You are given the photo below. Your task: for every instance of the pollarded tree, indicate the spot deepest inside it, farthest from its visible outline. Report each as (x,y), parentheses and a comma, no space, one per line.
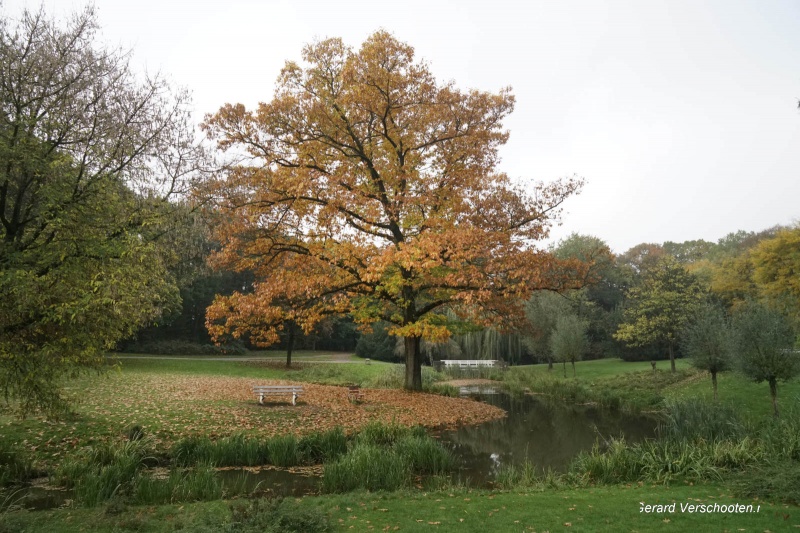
(765,341)
(88,156)
(660,306)
(708,341)
(370,188)
(569,340)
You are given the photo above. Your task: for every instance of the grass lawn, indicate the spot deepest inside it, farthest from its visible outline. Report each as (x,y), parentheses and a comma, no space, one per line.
(635,382)
(598,368)
(602,509)
(176,397)
(173,398)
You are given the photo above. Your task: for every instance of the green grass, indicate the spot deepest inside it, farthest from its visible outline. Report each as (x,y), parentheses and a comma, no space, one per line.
(598,509)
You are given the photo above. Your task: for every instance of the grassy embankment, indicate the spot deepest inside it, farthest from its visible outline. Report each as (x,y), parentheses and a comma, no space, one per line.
(617,384)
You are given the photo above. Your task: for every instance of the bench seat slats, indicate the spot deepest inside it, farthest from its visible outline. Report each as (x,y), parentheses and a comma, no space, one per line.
(270,390)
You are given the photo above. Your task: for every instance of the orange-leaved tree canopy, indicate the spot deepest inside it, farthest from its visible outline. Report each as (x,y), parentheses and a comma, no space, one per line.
(368,187)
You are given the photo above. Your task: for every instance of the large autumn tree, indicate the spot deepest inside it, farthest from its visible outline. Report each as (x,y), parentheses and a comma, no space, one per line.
(368,187)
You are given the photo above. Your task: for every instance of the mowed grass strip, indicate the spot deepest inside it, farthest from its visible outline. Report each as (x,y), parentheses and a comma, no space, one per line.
(602,510)
(605,509)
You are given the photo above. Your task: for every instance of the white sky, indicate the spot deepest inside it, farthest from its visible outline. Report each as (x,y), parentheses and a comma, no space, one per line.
(680,114)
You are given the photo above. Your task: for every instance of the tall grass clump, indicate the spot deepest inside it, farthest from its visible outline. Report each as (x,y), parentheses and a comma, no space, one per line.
(200,483)
(367,467)
(424,455)
(695,419)
(386,457)
(99,484)
(616,464)
(322,446)
(781,436)
(664,461)
(192,450)
(283,451)
(238,450)
(15,467)
(99,473)
(527,476)
(381,434)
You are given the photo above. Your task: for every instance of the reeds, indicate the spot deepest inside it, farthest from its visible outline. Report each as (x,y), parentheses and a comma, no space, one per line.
(240,450)
(386,457)
(15,466)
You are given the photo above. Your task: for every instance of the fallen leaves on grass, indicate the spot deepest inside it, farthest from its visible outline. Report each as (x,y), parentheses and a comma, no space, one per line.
(173,406)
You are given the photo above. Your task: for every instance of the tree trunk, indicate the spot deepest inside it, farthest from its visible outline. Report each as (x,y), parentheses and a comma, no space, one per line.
(413,363)
(549,363)
(290,346)
(565,368)
(573,369)
(714,383)
(671,357)
(773,391)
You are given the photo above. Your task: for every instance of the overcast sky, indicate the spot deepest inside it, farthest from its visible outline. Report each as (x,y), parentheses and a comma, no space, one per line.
(681,115)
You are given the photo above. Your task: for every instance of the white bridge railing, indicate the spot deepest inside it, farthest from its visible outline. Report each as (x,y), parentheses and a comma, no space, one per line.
(469,363)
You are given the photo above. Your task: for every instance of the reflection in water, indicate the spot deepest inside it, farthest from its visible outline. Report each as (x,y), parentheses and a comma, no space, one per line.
(548,434)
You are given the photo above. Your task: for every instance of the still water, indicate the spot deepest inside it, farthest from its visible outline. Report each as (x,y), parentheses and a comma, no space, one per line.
(546,433)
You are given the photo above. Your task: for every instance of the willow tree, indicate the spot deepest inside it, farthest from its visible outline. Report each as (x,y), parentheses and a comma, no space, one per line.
(368,187)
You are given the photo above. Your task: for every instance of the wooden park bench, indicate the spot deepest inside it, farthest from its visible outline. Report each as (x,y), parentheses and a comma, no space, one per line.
(272,390)
(354,393)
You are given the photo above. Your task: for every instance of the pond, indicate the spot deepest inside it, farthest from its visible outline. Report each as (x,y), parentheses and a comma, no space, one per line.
(545,433)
